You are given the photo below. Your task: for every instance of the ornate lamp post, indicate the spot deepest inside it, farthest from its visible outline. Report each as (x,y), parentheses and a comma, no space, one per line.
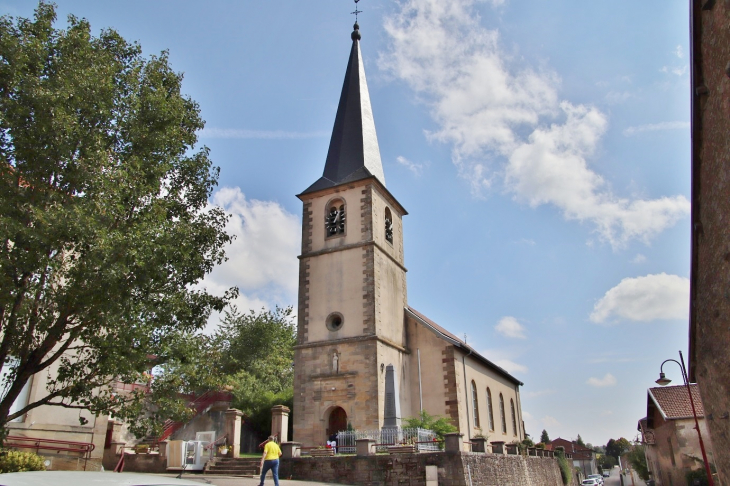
(663,381)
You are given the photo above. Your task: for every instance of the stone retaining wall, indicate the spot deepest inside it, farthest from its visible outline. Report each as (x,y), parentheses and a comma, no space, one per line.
(454,469)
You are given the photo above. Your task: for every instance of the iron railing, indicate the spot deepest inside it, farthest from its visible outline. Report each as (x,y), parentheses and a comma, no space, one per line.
(424,440)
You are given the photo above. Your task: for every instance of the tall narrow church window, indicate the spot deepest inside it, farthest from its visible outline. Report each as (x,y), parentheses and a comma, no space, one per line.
(490,409)
(514,419)
(474,403)
(388,225)
(334,220)
(501,413)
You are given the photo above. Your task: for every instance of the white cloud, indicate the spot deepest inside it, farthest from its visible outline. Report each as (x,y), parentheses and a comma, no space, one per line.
(606,413)
(549,421)
(639,258)
(654,127)
(412,166)
(679,52)
(648,298)
(509,327)
(505,359)
(260,134)
(676,70)
(262,259)
(506,124)
(607,380)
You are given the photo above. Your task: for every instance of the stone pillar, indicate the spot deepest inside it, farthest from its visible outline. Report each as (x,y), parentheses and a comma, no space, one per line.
(290,450)
(391,414)
(479,444)
(162,448)
(454,442)
(365,447)
(280,422)
(498,447)
(233,430)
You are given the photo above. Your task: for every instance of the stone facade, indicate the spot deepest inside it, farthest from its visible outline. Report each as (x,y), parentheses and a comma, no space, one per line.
(710,275)
(461,469)
(354,319)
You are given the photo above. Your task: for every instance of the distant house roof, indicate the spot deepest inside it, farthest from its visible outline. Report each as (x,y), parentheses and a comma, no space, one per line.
(673,402)
(451,338)
(571,447)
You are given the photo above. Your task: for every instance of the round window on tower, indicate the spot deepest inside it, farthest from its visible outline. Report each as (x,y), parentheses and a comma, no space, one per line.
(334,321)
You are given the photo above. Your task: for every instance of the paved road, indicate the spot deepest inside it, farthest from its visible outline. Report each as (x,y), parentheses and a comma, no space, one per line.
(615,480)
(242,481)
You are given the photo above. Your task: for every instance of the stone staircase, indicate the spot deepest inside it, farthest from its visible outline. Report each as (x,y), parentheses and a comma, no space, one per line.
(229,466)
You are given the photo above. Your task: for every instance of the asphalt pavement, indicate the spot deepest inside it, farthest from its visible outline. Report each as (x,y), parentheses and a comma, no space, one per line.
(215,480)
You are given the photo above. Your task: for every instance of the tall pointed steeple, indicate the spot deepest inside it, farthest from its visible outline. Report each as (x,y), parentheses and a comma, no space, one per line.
(353,153)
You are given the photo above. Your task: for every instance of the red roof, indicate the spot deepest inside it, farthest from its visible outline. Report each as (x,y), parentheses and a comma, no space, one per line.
(673,401)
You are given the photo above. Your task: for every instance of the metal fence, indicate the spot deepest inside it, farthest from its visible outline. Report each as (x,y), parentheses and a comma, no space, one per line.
(425,440)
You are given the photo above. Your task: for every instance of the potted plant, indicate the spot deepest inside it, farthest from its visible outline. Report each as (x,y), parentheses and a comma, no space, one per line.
(141,448)
(479,441)
(223,450)
(322,451)
(406,446)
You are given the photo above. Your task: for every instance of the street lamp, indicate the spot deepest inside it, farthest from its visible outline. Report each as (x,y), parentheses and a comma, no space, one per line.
(663,381)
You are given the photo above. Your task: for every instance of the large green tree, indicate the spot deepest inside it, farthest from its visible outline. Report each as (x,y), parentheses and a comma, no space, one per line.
(255,357)
(616,447)
(105,231)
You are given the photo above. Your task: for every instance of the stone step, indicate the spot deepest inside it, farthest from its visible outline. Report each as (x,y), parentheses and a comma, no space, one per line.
(232,472)
(233,466)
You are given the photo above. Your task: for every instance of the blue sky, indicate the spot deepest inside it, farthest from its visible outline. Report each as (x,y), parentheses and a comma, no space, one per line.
(541,148)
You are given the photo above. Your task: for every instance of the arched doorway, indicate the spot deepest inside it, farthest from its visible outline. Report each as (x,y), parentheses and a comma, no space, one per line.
(337,421)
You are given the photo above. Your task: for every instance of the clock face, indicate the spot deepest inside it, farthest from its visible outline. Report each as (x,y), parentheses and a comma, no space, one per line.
(334,222)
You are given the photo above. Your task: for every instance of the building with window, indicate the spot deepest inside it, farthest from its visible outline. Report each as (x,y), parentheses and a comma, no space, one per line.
(669,435)
(354,319)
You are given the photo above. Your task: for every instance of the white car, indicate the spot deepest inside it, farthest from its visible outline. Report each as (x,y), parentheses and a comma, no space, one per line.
(590,482)
(597,477)
(79,478)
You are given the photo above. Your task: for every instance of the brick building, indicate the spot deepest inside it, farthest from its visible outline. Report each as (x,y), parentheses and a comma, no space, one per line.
(672,443)
(354,321)
(709,336)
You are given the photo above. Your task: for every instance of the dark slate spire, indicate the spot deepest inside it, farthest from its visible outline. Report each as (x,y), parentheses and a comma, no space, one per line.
(353,152)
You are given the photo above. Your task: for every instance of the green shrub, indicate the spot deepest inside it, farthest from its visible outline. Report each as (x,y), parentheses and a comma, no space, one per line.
(566,471)
(17,461)
(697,477)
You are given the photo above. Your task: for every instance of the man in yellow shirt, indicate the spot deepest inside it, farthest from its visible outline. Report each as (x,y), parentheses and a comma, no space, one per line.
(270,460)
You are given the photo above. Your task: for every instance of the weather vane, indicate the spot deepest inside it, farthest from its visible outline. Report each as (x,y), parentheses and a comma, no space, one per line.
(356,11)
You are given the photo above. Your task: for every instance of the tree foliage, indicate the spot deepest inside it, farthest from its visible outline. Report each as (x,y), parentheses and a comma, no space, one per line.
(104,224)
(255,357)
(606,461)
(616,448)
(579,441)
(637,459)
(544,437)
(440,425)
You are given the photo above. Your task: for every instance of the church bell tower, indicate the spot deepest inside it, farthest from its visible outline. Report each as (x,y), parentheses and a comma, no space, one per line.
(352,279)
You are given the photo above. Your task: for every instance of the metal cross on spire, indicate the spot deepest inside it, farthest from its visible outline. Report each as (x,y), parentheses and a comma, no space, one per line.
(356,11)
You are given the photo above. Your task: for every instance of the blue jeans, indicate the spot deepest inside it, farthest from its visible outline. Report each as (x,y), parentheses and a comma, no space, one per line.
(272,464)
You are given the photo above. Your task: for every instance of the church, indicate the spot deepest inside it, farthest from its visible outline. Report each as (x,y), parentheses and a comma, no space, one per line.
(355,326)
